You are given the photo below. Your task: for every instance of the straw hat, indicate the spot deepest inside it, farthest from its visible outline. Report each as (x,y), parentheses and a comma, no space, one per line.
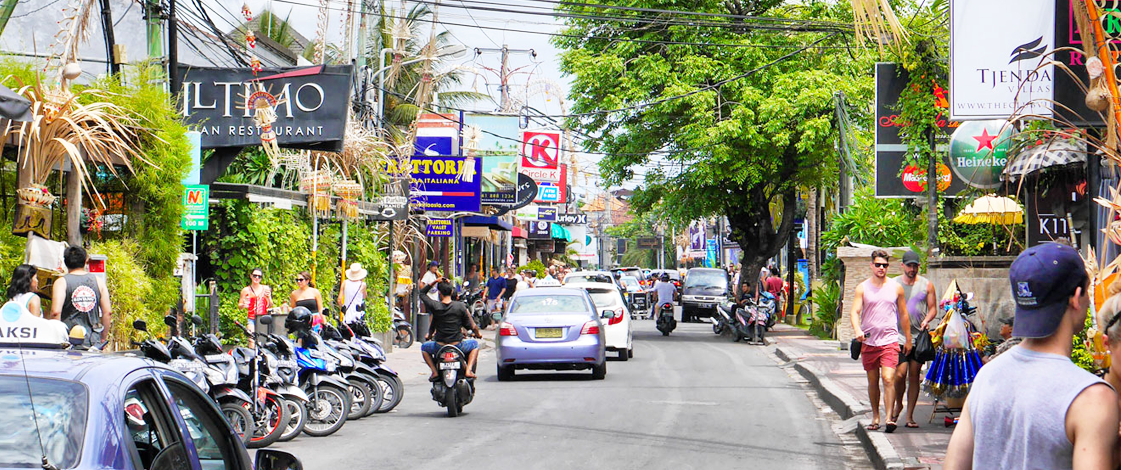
(356,273)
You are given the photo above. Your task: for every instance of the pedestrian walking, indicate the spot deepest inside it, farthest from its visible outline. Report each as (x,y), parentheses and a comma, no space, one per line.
(776,287)
(430,277)
(496,286)
(352,299)
(511,285)
(80,298)
(471,280)
(22,289)
(255,299)
(307,296)
(877,312)
(922,305)
(1032,407)
(1110,316)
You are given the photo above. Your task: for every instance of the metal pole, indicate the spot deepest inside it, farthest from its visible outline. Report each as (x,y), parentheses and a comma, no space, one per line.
(6,10)
(172,49)
(932,195)
(110,41)
(381,85)
(392,275)
(502,79)
(154,32)
(342,272)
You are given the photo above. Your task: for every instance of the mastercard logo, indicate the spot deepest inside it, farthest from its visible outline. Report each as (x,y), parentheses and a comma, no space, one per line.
(914,178)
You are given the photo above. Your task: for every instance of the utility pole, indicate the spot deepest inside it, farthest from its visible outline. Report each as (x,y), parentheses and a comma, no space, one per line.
(932,195)
(6,9)
(504,73)
(110,41)
(363,59)
(172,49)
(154,31)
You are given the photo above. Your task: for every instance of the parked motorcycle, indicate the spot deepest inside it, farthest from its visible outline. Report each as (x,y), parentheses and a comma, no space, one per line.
(750,323)
(665,322)
(724,320)
(368,351)
(477,305)
(769,306)
(404,330)
(252,370)
(451,388)
(284,379)
(328,395)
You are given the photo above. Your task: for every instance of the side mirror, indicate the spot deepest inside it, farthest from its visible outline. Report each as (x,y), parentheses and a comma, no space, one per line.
(140,325)
(197,320)
(169,320)
(265,320)
(606,314)
(269,459)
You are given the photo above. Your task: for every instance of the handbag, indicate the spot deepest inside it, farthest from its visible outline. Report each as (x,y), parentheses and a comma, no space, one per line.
(924,347)
(854,349)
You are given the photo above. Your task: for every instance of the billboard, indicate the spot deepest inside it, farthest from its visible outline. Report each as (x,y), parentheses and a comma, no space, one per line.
(438,184)
(1000,58)
(437,134)
(311,110)
(499,154)
(1069,98)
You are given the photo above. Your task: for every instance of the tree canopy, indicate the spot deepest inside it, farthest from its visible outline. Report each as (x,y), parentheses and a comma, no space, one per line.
(724,114)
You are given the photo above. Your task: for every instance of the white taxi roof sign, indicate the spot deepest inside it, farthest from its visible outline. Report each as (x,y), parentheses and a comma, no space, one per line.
(17,326)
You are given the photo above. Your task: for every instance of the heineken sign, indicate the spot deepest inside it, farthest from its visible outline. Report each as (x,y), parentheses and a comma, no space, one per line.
(979,152)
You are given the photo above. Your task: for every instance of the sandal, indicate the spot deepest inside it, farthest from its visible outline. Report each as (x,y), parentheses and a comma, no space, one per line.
(872,427)
(912,424)
(890,427)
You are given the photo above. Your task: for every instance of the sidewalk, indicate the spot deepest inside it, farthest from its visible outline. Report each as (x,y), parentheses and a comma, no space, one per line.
(410,366)
(843,385)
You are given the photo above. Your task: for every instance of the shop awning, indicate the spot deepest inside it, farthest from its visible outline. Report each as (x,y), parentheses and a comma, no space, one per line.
(561,233)
(519,232)
(483,221)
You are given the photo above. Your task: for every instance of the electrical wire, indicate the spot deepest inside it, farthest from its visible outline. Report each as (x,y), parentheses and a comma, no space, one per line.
(123,15)
(37,10)
(492,41)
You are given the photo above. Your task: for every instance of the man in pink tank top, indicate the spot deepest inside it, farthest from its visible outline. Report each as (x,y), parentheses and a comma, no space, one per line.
(879,309)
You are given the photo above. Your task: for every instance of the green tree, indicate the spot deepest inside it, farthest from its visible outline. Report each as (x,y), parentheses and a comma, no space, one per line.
(732,130)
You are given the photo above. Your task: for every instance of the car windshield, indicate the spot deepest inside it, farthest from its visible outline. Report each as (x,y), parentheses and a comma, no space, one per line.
(60,409)
(605,299)
(587,277)
(629,281)
(542,304)
(706,279)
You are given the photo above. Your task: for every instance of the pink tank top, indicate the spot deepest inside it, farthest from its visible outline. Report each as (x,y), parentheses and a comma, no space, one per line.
(879,317)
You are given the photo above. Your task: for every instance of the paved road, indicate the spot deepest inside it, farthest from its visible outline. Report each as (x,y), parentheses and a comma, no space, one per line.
(690,400)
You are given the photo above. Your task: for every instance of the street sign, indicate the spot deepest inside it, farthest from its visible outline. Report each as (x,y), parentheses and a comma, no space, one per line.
(196,208)
(387,208)
(572,219)
(648,242)
(439,228)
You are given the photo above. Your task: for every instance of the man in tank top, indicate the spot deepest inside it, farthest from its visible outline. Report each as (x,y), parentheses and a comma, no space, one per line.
(1031,407)
(922,305)
(80,298)
(878,311)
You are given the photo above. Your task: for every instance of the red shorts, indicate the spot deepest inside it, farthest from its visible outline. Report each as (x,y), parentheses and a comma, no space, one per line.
(875,357)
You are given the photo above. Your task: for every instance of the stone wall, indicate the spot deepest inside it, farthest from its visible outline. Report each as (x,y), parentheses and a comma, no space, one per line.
(986,277)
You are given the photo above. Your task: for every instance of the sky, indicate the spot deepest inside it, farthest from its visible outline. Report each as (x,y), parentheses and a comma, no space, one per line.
(34,23)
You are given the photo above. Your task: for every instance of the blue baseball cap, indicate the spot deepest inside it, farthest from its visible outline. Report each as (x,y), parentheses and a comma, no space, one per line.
(1043,278)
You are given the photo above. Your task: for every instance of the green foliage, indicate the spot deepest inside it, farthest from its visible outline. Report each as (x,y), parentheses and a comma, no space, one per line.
(872,221)
(535,265)
(133,293)
(826,301)
(1079,354)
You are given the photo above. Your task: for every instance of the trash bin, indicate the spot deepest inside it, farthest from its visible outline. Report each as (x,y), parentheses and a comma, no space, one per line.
(420,329)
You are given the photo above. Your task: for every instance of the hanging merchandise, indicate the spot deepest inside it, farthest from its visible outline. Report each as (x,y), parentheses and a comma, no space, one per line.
(956,360)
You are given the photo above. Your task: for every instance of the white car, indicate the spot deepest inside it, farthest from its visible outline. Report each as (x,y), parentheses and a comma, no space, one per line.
(617,329)
(597,277)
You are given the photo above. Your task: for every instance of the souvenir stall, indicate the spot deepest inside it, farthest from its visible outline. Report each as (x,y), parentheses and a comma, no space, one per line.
(956,343)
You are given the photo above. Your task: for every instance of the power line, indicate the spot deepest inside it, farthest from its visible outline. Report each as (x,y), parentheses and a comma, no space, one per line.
(477,24)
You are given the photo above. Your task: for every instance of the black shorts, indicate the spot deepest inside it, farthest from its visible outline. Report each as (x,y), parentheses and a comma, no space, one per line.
(909,357)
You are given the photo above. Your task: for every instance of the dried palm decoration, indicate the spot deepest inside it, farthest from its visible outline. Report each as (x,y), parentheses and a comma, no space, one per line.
(876,20)
(321,33)
(401,31)
(347,191)
(316,184)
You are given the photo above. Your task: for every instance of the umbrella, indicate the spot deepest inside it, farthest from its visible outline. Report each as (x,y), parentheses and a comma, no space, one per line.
(992,210)
(1055,152)
(14,106)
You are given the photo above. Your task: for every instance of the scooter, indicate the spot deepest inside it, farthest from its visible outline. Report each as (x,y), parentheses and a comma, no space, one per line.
(404,330)
(251,370)
(368,351)
(328,395)
(478,308)
(284,379)
(750,323)
(768,306)
(723,320)
(451,388)
(665,322)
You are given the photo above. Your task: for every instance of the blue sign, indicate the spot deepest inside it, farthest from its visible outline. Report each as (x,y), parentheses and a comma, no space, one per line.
(434,145)
(547,213)
(548,192)
(439,228)
(441,184)
(710,252)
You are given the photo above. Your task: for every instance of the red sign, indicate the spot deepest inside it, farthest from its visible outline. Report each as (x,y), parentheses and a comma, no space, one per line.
(540,149)
(914,178)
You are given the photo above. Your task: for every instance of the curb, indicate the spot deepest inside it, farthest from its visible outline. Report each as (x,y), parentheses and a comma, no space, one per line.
(881,453)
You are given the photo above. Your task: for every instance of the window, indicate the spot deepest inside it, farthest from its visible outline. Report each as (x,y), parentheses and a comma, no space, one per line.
(154,441)
(707,279)
(211,436)
(60,409)
(605,299)
(544,304)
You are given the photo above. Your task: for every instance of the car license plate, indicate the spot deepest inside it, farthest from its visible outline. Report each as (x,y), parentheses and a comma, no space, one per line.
(547,332)
(705,305)
(449,365)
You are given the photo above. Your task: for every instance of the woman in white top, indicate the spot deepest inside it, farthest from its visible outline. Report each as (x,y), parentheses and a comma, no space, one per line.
(353,294)
(23,286)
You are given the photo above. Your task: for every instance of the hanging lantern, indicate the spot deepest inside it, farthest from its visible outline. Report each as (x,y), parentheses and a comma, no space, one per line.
(316,184)
(348,191)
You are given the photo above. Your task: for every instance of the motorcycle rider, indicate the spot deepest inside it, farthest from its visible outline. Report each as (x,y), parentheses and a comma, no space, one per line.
(666,292)
(449,317)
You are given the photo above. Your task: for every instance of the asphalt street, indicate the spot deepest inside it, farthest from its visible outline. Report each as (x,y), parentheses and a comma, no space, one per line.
(690,400)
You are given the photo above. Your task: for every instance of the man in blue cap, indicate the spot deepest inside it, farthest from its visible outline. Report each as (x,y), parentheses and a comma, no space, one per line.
(1031,407)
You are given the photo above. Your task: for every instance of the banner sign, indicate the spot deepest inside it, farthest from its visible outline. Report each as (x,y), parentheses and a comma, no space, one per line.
(438,228)
(710,253)
(547,213)
(553,191)
(696,238)
(500,155)
(439,184)
(500,179)
(311,110)
(1068,47)
(437,134)
(892,179)
(196,207)
(572,219)
(996,51)
(540,230)
(387,208)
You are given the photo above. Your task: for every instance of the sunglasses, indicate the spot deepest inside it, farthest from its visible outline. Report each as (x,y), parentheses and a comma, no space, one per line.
(300,279)
(880,265)
(255,276)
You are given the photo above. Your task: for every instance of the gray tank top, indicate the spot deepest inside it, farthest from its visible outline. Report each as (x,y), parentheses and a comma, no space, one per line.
(82,304)
(915,296)
(1018,406)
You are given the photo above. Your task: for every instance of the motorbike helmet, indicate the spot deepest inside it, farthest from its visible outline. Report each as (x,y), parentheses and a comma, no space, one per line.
(299,319)
(665,277)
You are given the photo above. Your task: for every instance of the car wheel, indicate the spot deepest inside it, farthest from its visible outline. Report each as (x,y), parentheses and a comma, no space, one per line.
(624,354)
(505,373)
(599,372)
(630,353)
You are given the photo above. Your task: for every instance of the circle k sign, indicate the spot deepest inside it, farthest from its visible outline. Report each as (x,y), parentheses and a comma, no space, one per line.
(540,149)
